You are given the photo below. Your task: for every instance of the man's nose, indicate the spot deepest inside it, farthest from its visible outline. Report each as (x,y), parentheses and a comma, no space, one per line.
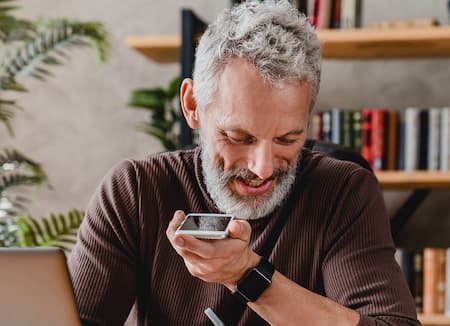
(262,161)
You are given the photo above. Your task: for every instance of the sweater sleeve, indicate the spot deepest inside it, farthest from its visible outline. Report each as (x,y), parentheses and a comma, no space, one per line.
(103,262)
(359,268)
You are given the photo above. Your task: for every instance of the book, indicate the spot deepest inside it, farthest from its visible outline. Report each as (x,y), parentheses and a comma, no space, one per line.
(335,21)
(358,13)
(347,129)
(423,139)
(357,139)
(434,130)
(378,138)
(418,280)
(391,140)
(323,14)
(302,6)
(315,13)
(447,284)
(317,126)
(445,140)
(366,135)
(442,262)
(351,11)
(434,280)
(310,8)
(326,126)
(411,156)
(401,141)
(336,125)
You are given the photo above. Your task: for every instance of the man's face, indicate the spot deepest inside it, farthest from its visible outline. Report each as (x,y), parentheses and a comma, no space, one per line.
(251,136)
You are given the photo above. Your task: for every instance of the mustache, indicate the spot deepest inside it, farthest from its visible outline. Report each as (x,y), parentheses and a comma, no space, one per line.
(247,175)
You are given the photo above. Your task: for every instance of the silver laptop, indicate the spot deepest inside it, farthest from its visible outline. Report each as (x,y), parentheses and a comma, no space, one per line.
(35,288)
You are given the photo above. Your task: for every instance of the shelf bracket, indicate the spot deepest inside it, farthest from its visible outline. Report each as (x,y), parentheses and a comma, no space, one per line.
(192,27)
(405,212)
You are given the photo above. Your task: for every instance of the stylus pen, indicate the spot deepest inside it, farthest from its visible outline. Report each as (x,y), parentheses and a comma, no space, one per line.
(213,317)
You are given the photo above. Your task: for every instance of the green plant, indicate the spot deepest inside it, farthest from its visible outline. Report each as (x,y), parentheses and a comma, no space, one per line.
(30,48)
(165,115)
(56,230)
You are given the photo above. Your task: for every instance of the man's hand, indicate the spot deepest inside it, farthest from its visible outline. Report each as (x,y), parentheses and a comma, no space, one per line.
(222,261)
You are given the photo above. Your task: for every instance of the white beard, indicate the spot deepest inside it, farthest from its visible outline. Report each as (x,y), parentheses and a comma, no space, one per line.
(243,207)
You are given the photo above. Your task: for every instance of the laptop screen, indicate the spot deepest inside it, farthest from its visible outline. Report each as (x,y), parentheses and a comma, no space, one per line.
(35,288)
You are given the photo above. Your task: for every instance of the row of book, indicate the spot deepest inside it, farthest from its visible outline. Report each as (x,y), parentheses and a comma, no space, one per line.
(427,273)
(410,139)
(332,13)
(329,13)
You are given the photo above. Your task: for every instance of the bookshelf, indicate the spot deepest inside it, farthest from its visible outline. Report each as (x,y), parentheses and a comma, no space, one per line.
(159,48)
(336,44)
(395,43)
(413,180)
(434,320)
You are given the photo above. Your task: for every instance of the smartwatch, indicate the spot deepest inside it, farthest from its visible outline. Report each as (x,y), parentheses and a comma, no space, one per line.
(255,282)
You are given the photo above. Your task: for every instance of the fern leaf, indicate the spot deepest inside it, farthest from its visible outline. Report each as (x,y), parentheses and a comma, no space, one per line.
(12,159)
(52,37)
(51,60)
(5,117)
(56,230)
(39,235)
(11,28)
(15,180)
(63,222)
(48,230)
(75,218)
(96,33)
(17,170)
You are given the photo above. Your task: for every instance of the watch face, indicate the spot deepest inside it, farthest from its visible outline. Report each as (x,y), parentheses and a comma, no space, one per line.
(253,285)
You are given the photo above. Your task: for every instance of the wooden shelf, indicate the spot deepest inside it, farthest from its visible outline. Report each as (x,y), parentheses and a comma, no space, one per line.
(395,43)
(161,48)
(338,44)
(434,320)
(413,180)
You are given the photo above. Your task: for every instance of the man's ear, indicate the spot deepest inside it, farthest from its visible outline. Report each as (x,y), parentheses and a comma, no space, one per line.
(188,103)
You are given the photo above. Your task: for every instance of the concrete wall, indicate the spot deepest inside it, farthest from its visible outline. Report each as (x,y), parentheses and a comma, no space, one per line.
(78,125)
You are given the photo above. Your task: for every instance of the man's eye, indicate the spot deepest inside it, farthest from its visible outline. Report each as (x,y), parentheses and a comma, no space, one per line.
(285,141)
(241,140)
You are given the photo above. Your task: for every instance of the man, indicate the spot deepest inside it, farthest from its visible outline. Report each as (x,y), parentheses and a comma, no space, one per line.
(320,223)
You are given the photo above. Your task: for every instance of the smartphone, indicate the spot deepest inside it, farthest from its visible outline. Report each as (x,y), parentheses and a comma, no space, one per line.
(205,225)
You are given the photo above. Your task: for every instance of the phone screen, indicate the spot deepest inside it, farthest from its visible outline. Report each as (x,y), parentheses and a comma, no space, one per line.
(198,222)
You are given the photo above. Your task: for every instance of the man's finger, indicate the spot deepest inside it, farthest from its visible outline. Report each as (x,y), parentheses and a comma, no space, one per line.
(240,229)
(178,217)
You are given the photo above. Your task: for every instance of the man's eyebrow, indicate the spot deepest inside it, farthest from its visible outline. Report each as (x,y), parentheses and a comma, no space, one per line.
(296,132)
(235,129)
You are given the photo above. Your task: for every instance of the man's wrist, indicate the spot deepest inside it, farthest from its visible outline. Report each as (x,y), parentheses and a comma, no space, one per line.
(255,282)
(252,262)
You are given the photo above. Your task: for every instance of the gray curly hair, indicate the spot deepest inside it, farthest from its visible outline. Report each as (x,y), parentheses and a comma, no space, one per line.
(273,36)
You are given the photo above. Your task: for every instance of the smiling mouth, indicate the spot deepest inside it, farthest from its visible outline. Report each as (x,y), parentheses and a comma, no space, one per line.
(253,187)
(253,183)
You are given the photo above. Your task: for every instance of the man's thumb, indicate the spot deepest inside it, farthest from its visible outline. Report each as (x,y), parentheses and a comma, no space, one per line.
(240,230)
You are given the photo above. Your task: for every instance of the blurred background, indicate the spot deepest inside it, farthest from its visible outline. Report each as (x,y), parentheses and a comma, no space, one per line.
(77,123)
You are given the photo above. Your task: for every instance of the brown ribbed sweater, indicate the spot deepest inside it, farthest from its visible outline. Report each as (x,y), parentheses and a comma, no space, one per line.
(336,242)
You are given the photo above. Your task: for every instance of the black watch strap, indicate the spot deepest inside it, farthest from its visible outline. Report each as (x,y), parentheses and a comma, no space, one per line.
(255,282)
